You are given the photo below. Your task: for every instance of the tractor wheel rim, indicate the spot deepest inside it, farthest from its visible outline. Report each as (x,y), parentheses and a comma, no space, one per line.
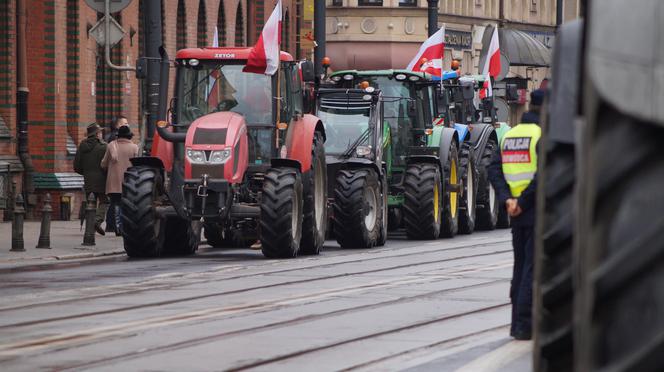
(436,203)
(453,195)
(470,191)
(319,200)
(372,209)
(492,199)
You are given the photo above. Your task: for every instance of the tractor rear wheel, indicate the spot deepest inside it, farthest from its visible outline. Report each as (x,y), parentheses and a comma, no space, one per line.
(423,201)
(487,203)
(468,199)
(181,237)
(450,225)
(280,230)
(314,221)
(358,208)
(142,229)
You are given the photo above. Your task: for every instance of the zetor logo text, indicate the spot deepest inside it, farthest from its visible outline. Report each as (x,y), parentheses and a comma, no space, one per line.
(516,150)
(224,55)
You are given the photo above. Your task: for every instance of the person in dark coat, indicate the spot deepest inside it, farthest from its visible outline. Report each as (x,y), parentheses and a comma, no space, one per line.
(88,163)
(117,122)
(513,175)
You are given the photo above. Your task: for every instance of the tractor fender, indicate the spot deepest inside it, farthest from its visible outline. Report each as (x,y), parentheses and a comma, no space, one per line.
(150,161)
(289,163)
(462,131)
(300,139)
(479,136)
(355,163)
(447,135)
(162,149)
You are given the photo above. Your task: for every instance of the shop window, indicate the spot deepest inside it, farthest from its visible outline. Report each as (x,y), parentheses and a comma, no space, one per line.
(370,3)
(407,2)
(337,2)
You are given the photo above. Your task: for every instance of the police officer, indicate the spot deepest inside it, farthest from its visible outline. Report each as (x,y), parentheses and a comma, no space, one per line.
(512,173)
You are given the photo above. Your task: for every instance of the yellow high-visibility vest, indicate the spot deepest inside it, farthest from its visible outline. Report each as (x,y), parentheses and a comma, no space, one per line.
(518,149)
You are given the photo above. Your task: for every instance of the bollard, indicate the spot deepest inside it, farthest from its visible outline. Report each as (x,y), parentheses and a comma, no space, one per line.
(89,235)
(45,231)
(17,225)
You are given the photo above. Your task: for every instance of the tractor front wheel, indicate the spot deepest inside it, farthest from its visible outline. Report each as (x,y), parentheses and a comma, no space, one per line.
(423,200)
(487,203)
(280,230)
(142,229)
(357,208)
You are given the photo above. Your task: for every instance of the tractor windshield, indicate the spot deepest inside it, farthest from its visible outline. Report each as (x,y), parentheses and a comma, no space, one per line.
(212,87)
(347,121)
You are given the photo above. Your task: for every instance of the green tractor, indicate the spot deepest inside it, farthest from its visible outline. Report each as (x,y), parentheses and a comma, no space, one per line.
(358,157)
(426,181)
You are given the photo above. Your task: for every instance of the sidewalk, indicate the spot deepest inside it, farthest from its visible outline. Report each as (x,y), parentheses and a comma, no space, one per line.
(66,239)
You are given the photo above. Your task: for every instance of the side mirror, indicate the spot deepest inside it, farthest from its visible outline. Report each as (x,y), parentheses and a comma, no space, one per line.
(443,103)
(308,74)
(468,91)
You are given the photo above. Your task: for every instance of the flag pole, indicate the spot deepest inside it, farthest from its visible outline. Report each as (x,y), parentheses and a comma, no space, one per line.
(278,101)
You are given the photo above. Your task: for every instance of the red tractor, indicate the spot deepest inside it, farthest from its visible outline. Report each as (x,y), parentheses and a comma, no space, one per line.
(239,156)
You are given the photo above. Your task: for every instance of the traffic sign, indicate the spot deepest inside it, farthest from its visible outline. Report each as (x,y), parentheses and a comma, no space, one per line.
(115,5)
(98,32)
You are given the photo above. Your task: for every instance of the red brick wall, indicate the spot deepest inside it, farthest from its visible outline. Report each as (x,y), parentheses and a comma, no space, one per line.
(7,73)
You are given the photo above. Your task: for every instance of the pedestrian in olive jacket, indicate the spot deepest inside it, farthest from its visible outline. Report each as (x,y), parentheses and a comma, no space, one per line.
(116,160)
(88,163)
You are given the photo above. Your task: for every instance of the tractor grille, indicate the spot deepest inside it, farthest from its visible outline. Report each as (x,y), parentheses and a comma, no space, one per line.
(210,136)
(213,171)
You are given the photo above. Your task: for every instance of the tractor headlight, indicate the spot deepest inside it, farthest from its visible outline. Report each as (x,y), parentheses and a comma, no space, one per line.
(336,78)
(220,156)
(348,77)
(400,77)
(363,151)
(413,78)
(196,156)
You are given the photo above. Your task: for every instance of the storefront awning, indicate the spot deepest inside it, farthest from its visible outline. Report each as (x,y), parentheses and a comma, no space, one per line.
(522,49)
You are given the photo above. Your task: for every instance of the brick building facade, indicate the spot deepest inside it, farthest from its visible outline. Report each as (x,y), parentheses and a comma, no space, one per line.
(71,86)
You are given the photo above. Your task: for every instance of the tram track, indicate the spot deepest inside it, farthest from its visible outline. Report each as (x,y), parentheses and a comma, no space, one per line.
(220,293)
(190,278)
(270,326)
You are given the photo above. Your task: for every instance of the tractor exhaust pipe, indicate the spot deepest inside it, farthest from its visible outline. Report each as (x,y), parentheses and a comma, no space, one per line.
(163,100)
(319,36)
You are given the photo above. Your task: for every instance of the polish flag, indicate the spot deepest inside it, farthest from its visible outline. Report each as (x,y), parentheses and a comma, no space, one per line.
(264,57)
(213,86)
(491,66)
(429,58)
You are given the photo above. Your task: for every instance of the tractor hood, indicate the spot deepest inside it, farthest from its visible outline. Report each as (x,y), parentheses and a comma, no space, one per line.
(215,131)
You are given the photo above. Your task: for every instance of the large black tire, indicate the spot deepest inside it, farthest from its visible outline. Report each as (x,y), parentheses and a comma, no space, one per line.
(142,229)
(357,208)
(314,223)
(181,237)
(450,223)
(618,310)
(467,210)
(423,201)
(553,293)
(280,230)
(382,236)
(487,203)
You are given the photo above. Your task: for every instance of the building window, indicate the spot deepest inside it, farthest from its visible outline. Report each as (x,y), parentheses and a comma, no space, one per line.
(181,27)
(239,26)
(407,2)
(201,26)
(370,2)
(337,2)
(533,6)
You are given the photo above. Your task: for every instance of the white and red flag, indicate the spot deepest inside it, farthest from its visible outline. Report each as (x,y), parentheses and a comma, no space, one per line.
(491,66)
(429,58)
(264,57)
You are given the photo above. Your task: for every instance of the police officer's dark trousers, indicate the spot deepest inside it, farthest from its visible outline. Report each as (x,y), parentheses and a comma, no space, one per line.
(521,290)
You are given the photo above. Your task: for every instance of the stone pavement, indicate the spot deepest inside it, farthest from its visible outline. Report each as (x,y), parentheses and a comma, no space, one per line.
(66,239)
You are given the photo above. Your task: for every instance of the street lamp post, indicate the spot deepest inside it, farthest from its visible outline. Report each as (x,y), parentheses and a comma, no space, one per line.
(433,16)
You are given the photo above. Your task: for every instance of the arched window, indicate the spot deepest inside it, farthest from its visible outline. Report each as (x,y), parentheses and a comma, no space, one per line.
(239,26)
(221,24)
(201,27)
(181,27)
(285,33)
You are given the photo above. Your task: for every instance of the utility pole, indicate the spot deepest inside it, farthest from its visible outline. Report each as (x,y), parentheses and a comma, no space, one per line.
(559,12)
(22,93)
(152,59)
(319,36)
(433,16)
